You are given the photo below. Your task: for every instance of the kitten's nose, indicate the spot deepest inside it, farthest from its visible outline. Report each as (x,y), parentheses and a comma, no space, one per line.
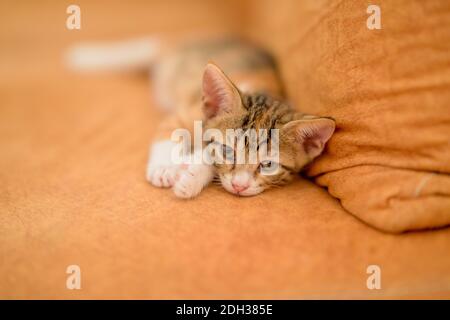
(239,187)
(240,181)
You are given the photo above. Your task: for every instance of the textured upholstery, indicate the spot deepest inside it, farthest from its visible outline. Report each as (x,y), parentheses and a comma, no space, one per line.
(73,149)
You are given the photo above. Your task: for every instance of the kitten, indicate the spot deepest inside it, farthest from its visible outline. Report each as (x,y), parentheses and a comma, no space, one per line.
(248,96)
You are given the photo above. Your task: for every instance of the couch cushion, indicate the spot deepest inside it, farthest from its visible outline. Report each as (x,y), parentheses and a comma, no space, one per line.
(389,91)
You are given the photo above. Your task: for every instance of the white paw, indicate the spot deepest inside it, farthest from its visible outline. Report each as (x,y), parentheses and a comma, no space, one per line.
(162,176)
(161,171)
(191,180)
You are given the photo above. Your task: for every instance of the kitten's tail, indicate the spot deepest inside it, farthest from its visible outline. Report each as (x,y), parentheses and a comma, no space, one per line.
(129,55)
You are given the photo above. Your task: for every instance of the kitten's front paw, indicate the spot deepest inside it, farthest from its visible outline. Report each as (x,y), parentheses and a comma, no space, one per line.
(191,180)
(162,176)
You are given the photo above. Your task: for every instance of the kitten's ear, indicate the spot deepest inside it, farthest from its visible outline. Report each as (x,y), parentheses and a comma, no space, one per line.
(311,135)
(219,93)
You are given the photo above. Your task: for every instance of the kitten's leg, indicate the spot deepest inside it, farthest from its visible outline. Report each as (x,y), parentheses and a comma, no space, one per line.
(192,178)
(161,172)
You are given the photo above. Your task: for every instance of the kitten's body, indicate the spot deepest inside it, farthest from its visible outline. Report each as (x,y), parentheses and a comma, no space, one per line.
(249,97)
(178,72)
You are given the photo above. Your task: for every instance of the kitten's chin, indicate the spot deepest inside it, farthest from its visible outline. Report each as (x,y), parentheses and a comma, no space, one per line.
(248,194)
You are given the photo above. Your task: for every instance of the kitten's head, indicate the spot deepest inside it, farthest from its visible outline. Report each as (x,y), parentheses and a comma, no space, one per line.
(301,138)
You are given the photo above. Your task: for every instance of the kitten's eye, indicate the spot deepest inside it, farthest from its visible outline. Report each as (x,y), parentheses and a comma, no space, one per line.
(266,164)
(228,152)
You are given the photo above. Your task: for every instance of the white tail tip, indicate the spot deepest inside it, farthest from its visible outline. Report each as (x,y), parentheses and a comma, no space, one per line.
(118,56)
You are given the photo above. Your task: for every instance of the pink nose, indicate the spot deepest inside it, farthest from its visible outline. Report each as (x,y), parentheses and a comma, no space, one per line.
(239,187)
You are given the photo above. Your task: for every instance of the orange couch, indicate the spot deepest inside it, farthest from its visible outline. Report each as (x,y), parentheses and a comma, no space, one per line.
(72,158)
(388,89)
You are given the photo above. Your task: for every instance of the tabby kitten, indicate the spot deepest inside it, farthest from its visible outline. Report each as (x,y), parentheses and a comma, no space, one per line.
(248,97)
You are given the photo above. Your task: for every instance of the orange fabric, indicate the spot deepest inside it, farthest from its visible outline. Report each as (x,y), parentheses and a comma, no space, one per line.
(73,150)
(389,91)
